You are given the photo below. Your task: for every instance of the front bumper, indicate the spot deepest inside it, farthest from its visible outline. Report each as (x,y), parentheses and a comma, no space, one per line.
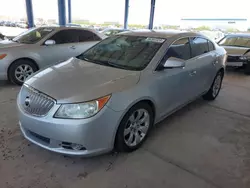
(96,134)
(4,64)
(235,61)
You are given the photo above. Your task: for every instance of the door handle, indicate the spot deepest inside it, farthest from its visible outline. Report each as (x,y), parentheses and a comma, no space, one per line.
(192,73)
(215,62)
(72,47)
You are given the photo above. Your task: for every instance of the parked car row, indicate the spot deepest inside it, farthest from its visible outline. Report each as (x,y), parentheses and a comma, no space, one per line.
(14,24)
(113,89)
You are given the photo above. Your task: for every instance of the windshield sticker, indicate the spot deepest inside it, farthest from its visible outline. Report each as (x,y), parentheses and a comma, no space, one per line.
(156,40)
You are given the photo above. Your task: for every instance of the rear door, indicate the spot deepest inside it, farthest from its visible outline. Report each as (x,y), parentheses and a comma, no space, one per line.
(63,49)
(87,39)
(203,62)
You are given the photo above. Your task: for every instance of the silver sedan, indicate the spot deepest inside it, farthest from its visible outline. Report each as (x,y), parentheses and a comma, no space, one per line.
(41,47)
(111,95)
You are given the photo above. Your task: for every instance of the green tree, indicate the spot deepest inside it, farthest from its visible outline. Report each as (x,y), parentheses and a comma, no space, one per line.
(232,30)
(201,28)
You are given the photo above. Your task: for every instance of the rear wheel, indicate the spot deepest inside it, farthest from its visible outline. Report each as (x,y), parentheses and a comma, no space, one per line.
(134,128)
(20,70)
(215,88)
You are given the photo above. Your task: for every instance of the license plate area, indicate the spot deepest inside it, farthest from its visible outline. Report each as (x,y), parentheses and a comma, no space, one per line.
(235,64)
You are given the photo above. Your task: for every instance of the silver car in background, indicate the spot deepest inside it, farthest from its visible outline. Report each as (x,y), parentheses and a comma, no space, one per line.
(112,94)
(238,50)
(42,47)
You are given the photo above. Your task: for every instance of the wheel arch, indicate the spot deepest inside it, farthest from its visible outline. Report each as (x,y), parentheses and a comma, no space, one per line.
(222,70)
(147,100)
(23,58)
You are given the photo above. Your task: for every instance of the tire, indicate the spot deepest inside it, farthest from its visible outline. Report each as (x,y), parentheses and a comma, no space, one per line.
(214,89)
(122,138)
(247,69)
(22,66)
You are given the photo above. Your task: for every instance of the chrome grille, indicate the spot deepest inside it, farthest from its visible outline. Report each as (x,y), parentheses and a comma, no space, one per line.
(34,102)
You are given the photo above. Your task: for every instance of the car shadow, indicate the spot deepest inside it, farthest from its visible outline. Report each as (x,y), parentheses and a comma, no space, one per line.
(6,84)
(159,127)
(235,71)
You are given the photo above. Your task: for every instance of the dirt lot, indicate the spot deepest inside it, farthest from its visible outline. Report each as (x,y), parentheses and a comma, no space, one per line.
(205,145)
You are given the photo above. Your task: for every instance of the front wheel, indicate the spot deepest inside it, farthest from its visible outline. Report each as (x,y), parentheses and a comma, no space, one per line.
(215,88)
(134,128)
(20,70)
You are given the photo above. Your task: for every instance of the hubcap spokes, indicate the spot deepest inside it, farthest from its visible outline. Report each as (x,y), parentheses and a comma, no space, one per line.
(22,72)
(137,127)
(217,85)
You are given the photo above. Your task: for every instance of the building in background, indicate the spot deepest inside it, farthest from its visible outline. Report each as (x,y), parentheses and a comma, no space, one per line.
(240,24)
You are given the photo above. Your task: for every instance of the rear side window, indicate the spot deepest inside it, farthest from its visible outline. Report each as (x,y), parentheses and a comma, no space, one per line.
(210,46)
(199,46)
(65,36)
(179,49)
(87,36)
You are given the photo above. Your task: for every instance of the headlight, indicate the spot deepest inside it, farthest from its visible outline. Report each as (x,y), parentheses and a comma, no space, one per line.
(81,110)
(2,56)
(244,58)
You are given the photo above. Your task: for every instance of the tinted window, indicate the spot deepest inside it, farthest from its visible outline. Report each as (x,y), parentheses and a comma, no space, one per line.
(199,46)
(235,41)
(87,36)
(180,49)
(211,46)
(33,36)
(125,52)
(66,36)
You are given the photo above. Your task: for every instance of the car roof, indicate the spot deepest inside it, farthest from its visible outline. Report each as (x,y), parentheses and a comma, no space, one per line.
(160,33)
(59,28)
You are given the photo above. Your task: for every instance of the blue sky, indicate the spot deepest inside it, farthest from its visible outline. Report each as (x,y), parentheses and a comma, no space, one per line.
(166,11)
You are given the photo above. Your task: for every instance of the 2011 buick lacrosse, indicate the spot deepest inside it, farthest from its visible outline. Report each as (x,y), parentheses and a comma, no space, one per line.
(111,95)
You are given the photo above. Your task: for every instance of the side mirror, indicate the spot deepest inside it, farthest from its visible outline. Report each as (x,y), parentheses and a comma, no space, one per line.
(173,62)
(50,42)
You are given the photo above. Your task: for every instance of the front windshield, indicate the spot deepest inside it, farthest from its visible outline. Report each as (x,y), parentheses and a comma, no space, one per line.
(125,52)
(33,36)
(235,41)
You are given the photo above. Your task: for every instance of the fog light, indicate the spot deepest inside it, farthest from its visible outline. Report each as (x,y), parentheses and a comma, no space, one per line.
(77,147)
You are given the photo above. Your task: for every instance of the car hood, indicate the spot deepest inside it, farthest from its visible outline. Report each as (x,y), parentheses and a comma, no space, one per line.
(77,81)
(9,44)
(236,50)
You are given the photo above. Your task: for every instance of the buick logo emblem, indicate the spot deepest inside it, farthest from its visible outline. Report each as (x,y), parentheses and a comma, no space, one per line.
(27,101)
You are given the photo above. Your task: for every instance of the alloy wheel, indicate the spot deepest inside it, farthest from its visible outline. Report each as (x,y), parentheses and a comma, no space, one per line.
(137,127)
(23,71)
(217,85)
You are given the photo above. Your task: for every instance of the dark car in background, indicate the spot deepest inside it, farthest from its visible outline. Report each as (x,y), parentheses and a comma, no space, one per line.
(238,50)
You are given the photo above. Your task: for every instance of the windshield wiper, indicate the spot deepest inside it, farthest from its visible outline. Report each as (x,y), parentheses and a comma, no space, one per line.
(108,63)
(116,65)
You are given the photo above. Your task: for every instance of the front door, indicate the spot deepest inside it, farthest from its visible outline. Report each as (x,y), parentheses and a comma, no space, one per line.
(175,85)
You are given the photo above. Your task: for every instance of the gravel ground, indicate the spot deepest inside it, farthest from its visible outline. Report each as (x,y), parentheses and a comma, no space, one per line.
(203,145)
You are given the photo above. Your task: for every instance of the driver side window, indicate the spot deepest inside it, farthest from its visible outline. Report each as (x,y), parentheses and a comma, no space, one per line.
(65,36)
(180,49)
